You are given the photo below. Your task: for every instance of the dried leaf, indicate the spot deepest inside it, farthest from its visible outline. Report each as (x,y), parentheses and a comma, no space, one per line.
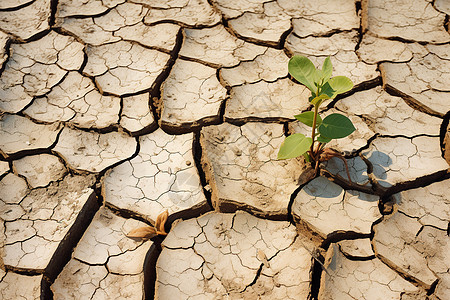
(263,258)
(161,221)
(146,232)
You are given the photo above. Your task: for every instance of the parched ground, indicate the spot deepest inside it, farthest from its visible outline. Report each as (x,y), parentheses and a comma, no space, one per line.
(114,111)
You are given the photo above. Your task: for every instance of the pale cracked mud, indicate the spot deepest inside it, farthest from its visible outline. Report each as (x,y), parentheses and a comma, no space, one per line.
(112,112)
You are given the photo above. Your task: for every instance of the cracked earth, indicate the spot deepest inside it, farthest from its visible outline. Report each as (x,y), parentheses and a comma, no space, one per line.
(112,112)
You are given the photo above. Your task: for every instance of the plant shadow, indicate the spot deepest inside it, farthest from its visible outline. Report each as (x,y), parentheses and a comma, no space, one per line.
(358,170)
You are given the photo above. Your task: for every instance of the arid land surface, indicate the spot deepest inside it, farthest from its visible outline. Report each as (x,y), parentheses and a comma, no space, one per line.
(114,111)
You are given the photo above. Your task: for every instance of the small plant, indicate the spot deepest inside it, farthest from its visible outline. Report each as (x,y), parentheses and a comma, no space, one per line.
(334,126)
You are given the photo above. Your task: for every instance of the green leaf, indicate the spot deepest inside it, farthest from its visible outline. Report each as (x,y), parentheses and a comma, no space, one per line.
(302,69)
(318,100)
(307,118)
(336,126)
(294,145)
(323,139)
(327,90)
(340,84)
(327,69)
(318,77)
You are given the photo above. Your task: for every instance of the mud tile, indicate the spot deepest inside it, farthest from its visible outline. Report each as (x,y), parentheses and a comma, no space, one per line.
(235,8)
(356,248)
(269,66)
(414,239)
(87,30)
(241,241)
(94,152)
(347,279)
(27,21)
(53,48)
(17,86)
(3,43)
(373,50)
(446,145)
(162,176)
(10,212)
(327,208)
(162,35)
(418,22)
(16,286)
(122,287)
(130,262)
(418,251)
(279,99)
(442,6)
(424,78)
(244,170)
(443,286)
(286,276)
(267,26)
(105,243)
(388,115)
(439,50)
(40,170)
(19,134)
(34,68)
(401,159)
(126,14)
(12,189)
(320,17)
(2,245)
(217,46)
(191,94)
(124,22)
(11,4)
(49,213)
(76,101)
(85,8)
(188,12)
(184,235)
(78,280)
(105,262)
(430,204)
(124,68)
(189,267)
(341,48)
(4,167)
(136,114)
(94,282)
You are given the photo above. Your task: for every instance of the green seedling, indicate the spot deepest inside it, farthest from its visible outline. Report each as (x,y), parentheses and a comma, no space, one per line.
(333,126)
